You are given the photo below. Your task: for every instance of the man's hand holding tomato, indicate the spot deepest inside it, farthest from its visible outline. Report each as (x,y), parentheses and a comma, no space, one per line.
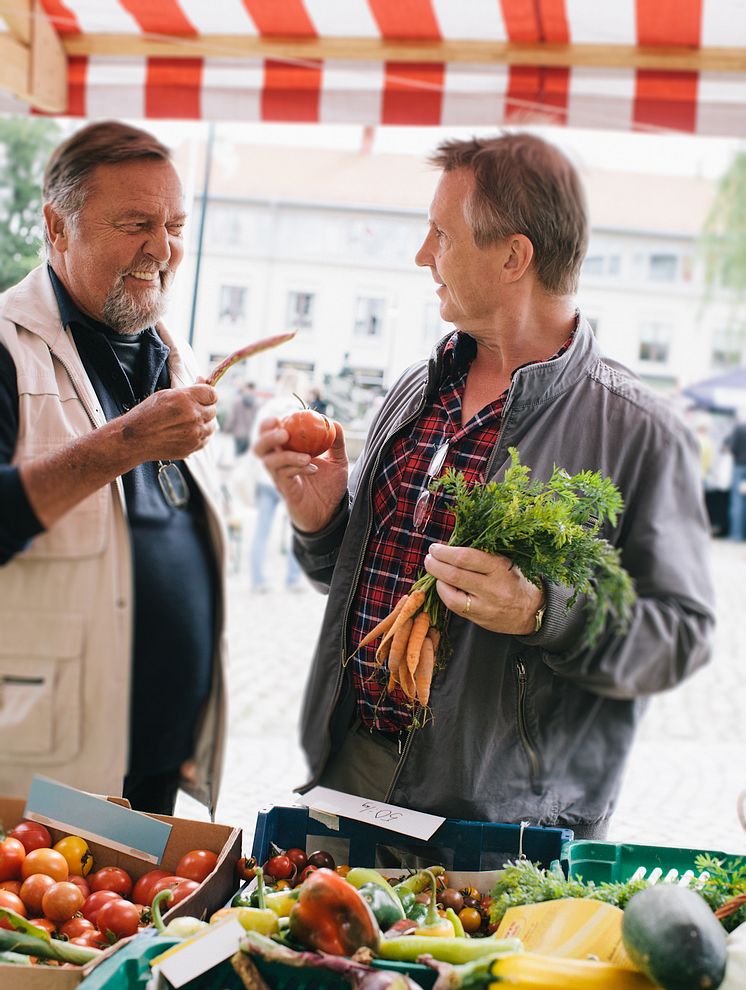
(312,487)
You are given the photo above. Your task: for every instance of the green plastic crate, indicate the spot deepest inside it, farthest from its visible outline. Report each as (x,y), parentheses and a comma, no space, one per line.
(616,861)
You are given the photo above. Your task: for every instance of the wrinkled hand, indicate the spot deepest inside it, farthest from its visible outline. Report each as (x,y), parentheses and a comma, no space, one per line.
(171,424)
(498,596)
(312,487)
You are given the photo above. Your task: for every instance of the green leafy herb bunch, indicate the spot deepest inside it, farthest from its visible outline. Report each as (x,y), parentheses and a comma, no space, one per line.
(547,529)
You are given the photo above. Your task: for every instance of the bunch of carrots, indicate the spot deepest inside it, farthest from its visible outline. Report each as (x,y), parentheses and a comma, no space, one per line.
(408,647)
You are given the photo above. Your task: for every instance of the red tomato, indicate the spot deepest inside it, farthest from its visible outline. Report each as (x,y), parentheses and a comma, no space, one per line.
(45,923)
(75,927)
(93,904)
(111,878)
(141,892)
(14,886)
(306,872)
(33,890)
(246,868)
(33,835)
(12,855)
(14,903)
(61,901)
(119,917)
(279,867)
(46,861)
(82,883)
(310,432)
(181,888)
(298,858)
(92,940)
(197,864)
(170,881)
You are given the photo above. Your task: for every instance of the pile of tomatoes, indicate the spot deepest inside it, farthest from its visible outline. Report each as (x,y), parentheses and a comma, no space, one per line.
(290,867)
(55,886)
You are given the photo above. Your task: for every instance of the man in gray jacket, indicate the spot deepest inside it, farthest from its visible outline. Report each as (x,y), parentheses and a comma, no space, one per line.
(526,722)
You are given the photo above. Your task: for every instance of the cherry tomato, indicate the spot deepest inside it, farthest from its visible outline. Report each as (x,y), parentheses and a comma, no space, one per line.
(93,904)
(111,878)
(306,872)
(61,901)
(79,857)
(12,856)
(322,859)
(14,903)
(33,835)
(298,858)
(180,889)
(119,917)
(279,867)
(141,892)
(246,868)
(33,890)
(14,886)
(451,898)
(47,861)
(197,864)
(342,870)
(310,432)
(45,923)
(75,926)
(471,919)
(163,883)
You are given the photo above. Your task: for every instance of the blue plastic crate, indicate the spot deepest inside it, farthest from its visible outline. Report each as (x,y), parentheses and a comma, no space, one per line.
(457,844)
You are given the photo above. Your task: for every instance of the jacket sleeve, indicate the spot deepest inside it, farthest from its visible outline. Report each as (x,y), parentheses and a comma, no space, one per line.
(664,544)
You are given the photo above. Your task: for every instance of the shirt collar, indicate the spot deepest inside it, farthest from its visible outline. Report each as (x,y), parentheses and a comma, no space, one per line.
(71,313)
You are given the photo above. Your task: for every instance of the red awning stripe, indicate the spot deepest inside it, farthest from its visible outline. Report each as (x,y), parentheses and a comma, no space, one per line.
(62,17)
(669,22)
(291,92)
(413,94)
(163,17)
(481,19)
(406,19)
(281,17)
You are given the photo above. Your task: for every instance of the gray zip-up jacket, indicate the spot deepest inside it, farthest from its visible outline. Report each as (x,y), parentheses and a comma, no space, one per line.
(535,727)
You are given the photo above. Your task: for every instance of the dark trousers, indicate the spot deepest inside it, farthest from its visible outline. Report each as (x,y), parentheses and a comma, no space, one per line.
(155,793)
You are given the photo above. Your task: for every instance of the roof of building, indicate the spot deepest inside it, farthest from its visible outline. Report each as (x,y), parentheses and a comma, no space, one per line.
(622,201)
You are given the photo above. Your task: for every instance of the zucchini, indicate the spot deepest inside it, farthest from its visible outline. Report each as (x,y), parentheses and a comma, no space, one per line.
(673,937)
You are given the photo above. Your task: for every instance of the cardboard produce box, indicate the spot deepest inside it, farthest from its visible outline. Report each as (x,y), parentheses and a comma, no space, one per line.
(185,835)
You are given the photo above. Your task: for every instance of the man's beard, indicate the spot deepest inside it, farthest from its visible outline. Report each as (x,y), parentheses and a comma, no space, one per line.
(126,313)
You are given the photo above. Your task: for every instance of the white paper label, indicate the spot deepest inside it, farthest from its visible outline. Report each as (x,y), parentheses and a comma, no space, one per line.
(204,951)
(389,816)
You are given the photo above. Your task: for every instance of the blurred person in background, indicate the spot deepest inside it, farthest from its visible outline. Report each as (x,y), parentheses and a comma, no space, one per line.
(735,442)
(111,544)
(240,420)
(526,721)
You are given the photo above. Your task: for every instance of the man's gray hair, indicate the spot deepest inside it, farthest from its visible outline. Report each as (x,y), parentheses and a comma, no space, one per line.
(67,175)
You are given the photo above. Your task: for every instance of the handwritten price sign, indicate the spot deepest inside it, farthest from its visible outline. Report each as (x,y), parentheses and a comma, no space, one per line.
(390,816)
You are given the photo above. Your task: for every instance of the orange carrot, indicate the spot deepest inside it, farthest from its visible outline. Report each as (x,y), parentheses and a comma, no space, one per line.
(383,656)
(398,649)
(383,626)
(414,644)
(393,673)
(407,681)
(424,675)
(434,635)
(415,601)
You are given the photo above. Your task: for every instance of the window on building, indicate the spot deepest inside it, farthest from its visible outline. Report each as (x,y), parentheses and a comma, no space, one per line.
(369,316)
(593,265)
(728,347)
(300,310)
(233,306)
(662,267)
(655,342)
(615,264)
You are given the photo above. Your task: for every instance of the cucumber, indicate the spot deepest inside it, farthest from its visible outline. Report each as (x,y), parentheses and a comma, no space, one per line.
(671,934)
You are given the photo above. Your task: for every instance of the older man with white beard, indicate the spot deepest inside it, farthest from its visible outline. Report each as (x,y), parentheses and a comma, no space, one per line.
(111,548)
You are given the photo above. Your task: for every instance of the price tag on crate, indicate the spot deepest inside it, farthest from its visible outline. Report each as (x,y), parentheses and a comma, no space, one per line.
(326,801)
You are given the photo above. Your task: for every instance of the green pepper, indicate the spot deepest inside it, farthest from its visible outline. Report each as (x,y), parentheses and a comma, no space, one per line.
(331,916)
(408,948)
(434,926)
(417,882)
(417,912)
(384,904)
(456,922)
(259,918)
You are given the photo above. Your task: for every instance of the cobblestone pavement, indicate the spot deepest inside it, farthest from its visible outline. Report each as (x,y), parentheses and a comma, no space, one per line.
(683,777)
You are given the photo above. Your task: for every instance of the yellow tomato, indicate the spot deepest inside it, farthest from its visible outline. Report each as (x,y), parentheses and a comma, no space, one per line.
(79,857)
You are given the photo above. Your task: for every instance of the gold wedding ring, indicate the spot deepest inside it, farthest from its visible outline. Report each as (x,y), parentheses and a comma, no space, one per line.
(468,605)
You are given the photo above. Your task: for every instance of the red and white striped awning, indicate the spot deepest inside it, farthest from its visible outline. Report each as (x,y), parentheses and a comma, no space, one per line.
(631,64)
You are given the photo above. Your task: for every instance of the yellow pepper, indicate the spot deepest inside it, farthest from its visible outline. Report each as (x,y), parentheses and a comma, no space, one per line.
(434,925)
(530,971)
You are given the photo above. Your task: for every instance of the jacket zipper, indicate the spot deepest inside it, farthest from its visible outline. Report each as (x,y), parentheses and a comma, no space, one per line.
(353,585)
(528,746)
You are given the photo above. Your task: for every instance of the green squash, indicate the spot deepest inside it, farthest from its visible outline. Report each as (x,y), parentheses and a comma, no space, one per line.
(673,937)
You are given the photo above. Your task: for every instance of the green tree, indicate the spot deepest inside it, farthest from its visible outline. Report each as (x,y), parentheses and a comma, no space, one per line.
(25,145)
(724,240)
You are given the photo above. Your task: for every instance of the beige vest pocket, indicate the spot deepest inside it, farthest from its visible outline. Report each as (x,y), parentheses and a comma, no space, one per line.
(41,688)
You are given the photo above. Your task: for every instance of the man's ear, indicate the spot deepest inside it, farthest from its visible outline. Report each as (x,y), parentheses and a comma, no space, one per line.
(57,229)
(520,253)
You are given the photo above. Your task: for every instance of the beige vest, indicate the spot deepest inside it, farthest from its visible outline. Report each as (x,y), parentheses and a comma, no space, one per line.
(66,600)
